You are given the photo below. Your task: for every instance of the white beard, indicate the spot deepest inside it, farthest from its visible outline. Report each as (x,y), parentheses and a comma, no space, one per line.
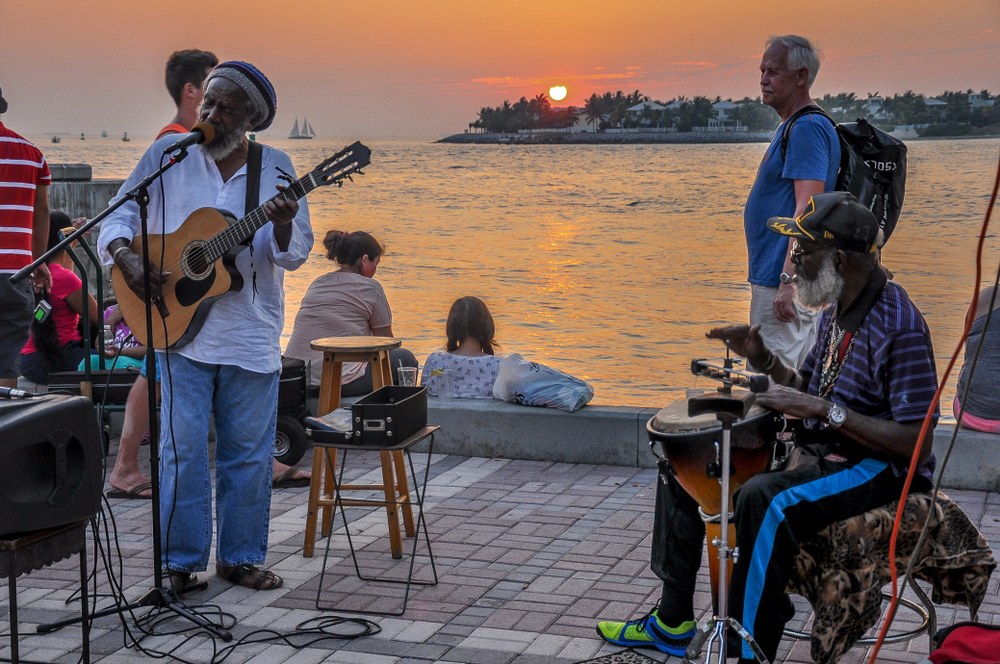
(822,290)
(225,142)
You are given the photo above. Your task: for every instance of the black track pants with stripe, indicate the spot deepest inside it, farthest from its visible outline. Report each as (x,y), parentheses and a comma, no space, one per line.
(776,511)
(773,512)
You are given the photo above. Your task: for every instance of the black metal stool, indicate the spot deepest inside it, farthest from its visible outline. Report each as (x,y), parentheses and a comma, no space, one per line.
(419,488)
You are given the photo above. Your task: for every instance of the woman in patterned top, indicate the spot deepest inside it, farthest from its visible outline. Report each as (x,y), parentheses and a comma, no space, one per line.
(469,360)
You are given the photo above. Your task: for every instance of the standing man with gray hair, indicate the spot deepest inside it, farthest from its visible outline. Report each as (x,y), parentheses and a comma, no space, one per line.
(783,186)
(230,368)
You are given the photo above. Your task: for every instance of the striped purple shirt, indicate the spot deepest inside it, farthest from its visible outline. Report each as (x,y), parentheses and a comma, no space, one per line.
(890,372)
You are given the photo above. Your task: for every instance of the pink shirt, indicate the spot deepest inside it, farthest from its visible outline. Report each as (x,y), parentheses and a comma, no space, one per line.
(64,282)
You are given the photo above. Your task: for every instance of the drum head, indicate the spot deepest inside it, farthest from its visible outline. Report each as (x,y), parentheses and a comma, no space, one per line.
(674,419)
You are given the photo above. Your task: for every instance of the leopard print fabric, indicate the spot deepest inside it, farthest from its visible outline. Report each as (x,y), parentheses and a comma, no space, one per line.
(842,570)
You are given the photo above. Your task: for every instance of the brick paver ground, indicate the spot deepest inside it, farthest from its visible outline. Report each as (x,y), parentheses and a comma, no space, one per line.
(529,556)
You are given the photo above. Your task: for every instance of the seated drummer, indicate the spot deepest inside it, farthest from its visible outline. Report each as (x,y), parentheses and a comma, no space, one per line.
(862,394)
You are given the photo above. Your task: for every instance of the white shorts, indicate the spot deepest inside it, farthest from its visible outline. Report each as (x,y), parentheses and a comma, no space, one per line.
(790,341)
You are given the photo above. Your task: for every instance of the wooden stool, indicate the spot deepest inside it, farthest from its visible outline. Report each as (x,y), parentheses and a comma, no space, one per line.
(25,552)
(336,351)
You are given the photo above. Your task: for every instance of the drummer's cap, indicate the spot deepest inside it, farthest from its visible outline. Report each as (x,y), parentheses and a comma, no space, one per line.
(836,218)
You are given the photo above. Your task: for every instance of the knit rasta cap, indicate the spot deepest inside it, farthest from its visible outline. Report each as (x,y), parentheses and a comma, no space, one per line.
(256,86)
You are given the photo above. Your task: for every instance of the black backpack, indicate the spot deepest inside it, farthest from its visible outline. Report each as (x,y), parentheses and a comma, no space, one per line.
(872,166)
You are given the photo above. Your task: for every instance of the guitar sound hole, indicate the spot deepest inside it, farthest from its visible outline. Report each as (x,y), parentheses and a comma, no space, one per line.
(195,260)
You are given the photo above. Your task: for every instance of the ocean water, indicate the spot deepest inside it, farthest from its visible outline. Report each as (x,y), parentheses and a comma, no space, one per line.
(608,262)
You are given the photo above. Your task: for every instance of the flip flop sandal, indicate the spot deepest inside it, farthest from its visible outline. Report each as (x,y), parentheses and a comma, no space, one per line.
(288,479)
(135,493)
(248,576)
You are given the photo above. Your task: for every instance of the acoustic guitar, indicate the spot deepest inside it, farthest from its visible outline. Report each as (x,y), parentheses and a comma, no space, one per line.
(201,257)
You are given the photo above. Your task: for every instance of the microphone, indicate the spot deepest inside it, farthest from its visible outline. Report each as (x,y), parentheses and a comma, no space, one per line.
(200,133)
(9,393)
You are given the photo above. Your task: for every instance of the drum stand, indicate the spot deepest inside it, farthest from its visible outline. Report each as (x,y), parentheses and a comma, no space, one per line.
(728,410)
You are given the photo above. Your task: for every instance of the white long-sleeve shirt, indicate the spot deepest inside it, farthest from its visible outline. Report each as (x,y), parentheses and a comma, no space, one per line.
(242,328)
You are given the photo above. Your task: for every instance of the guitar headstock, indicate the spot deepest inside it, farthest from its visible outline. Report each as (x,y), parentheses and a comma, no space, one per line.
(341,165)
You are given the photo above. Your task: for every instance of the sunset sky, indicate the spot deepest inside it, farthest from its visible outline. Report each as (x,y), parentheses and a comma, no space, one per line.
(424,69)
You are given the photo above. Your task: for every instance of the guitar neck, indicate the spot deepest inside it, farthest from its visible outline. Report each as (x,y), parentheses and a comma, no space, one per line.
(250,223)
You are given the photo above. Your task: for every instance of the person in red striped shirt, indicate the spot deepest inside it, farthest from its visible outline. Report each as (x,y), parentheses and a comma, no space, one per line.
(24,233)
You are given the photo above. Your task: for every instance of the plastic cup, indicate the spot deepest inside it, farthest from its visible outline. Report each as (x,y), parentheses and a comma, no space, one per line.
(407,376)
(447,385)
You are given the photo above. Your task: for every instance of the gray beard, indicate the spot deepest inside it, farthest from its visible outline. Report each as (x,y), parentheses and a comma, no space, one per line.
(225,142)
(822,290)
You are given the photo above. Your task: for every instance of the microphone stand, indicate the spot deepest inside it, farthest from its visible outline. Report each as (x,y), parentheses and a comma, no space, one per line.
(158,596)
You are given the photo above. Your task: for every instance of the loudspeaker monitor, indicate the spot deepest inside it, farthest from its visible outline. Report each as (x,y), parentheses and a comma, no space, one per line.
(51,462)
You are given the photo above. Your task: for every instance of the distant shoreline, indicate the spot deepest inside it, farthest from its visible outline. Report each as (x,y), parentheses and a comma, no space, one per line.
(644,138)
(586,138)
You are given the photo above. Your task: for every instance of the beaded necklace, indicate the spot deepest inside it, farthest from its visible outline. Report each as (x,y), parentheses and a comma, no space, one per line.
(838,346)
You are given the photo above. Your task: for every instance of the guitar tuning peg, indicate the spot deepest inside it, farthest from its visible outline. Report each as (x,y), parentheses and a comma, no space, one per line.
(349,177)
(340,184)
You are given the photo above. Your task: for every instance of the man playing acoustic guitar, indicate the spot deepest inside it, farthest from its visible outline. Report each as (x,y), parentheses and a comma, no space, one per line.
(229,368)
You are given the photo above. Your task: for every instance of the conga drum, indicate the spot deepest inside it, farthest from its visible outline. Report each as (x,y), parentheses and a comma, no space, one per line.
(693,444)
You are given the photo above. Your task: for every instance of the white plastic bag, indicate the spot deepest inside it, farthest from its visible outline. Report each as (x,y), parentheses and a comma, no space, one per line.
(534,384)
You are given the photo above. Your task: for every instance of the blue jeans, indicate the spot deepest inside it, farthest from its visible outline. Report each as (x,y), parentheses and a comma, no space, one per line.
(245,405)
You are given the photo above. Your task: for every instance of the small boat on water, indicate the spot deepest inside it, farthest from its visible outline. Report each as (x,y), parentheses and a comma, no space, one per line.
(125,137)
(56,139)
(104,134)
(307,130)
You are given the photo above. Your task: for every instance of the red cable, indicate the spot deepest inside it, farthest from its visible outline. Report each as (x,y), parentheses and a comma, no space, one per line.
(927,423)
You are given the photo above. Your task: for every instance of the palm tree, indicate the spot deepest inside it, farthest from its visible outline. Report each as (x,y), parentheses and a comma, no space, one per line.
(648,115)
(592,110)
(570,117)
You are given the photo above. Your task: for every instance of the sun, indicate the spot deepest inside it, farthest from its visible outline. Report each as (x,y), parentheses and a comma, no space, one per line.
(557,92)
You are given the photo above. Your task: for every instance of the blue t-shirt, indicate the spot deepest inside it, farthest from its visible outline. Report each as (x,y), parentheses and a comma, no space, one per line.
(813,154)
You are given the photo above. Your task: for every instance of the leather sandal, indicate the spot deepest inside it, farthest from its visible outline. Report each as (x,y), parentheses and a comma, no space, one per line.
(180,582)
(248,576)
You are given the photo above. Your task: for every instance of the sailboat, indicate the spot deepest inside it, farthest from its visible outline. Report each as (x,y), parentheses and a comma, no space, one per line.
(307,130)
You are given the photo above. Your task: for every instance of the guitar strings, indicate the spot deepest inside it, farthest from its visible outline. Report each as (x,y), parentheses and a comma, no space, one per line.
(213,249)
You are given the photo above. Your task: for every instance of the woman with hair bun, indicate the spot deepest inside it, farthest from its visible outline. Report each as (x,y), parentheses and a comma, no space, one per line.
(347,302)
(469,358)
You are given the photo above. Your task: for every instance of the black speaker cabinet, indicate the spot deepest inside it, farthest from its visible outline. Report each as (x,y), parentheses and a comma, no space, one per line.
(51,462)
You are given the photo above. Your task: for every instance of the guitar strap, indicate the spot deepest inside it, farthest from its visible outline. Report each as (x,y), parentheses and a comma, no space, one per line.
(255,153)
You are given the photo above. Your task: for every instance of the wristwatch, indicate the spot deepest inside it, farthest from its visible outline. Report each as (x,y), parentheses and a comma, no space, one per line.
(836,416)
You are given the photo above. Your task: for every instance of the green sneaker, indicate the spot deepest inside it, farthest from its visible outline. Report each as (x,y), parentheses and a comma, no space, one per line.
(649,631)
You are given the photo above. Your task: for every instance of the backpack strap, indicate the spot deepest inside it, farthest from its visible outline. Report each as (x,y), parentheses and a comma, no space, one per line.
(786,132)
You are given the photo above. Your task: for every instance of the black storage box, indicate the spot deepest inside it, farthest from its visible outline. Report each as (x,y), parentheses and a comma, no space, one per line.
(117,390)
(389,415)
